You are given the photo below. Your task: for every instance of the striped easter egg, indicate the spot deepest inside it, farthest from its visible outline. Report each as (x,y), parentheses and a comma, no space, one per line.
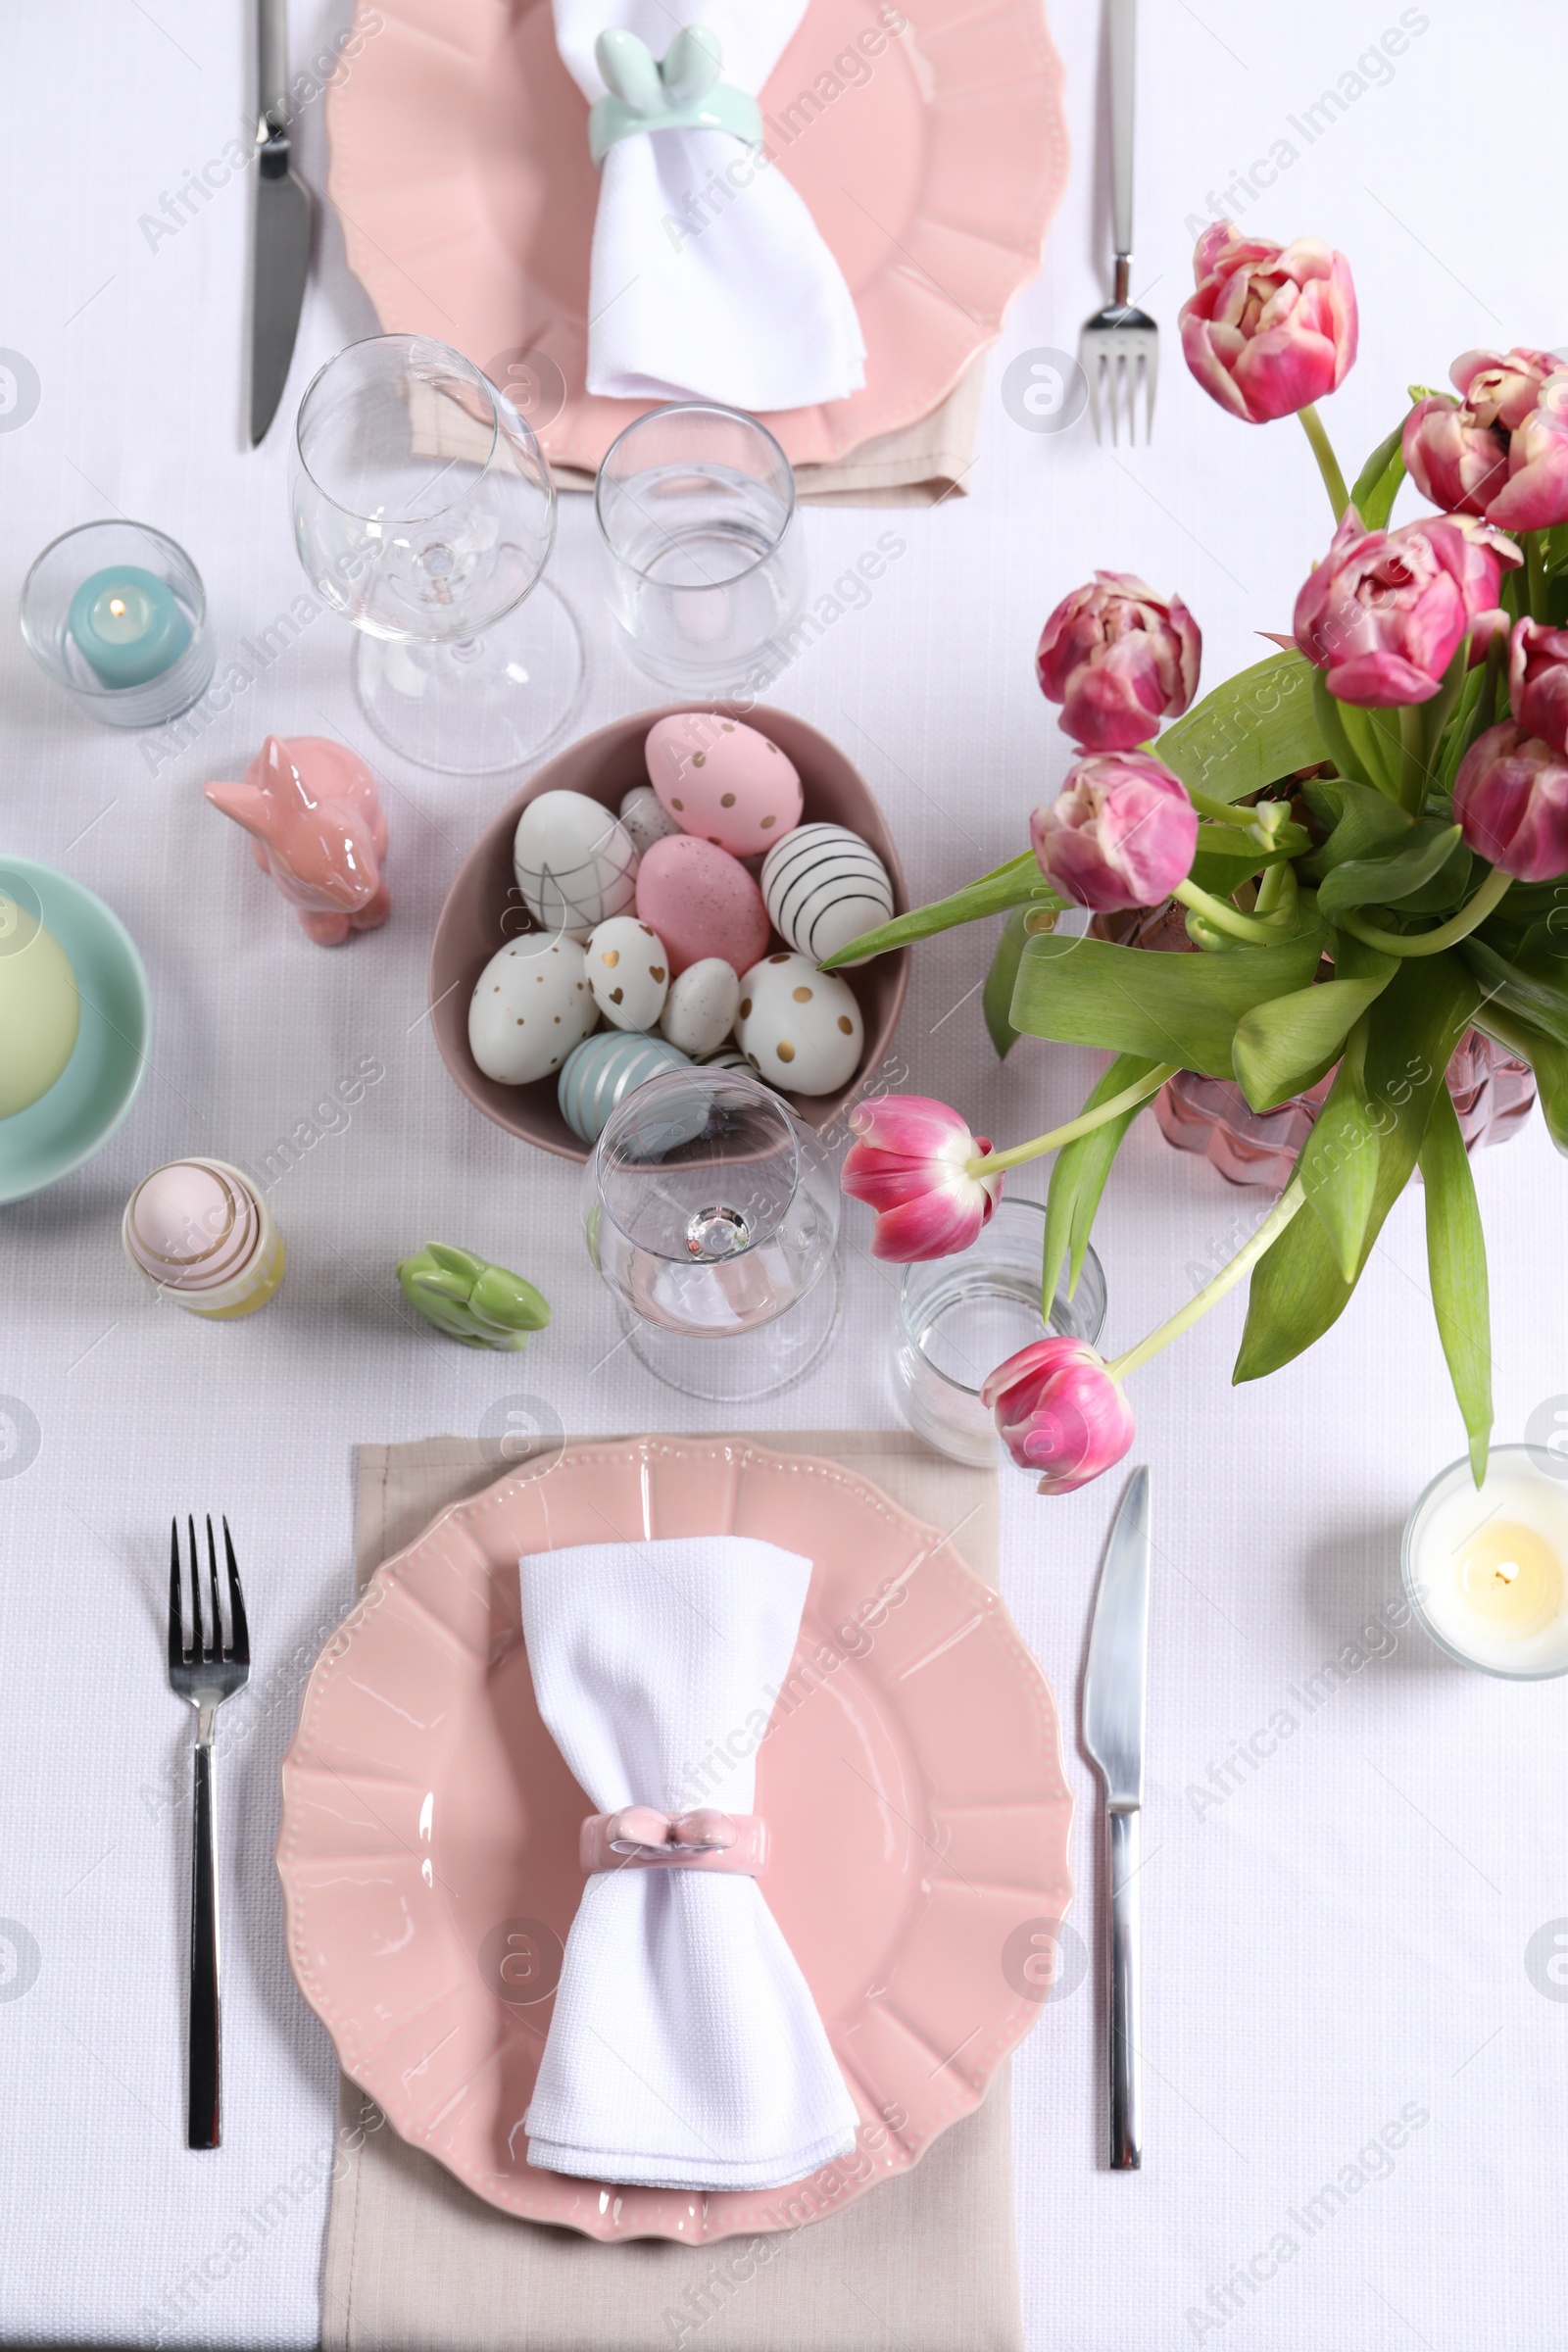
(599,1074)
(823,886)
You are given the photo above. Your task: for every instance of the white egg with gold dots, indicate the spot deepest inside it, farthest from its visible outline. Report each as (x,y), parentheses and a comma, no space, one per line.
(530,1005)
(798,1028)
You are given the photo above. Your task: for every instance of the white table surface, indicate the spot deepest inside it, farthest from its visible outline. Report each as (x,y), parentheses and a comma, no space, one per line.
(1342,1941)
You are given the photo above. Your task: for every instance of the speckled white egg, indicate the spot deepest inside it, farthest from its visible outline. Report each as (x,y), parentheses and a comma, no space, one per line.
(800,1028)
(702,1006)
(531,1005)
(628,973)
(574,863)
(823,886)
(646,818)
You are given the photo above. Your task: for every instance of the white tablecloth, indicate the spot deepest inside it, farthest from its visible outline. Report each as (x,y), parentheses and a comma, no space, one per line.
(1345,1877)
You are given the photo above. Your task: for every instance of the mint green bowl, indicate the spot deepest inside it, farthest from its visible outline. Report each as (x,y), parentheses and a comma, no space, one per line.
(91,1098)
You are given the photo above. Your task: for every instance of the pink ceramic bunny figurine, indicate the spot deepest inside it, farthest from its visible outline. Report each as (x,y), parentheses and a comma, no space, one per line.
(315,816)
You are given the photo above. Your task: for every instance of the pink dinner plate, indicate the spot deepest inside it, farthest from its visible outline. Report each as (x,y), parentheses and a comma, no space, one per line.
(911,1775)
(462,177)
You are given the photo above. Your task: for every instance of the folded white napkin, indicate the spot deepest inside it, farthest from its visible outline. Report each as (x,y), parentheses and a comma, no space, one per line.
(709,274)
(685,2050)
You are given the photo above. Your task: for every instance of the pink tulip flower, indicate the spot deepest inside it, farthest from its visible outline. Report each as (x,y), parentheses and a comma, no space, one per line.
(1453,460)
(1120,659)
(1121,832)
(910,1162)
(1502,387)
(1271,328)
(1384,611)
(1538,681)
(1510,796)
(1536,493)
(1059,1412)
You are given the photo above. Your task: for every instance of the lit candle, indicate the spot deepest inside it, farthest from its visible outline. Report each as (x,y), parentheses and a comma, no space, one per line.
(1487,1569)
(127,625)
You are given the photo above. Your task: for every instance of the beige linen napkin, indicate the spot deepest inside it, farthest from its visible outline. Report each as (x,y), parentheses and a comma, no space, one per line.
(917,465)
(926,2262)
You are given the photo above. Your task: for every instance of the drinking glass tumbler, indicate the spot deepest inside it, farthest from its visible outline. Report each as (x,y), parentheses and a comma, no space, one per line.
(115,614)
(959,1317)
(704,558)
(424,512)
(712,1216)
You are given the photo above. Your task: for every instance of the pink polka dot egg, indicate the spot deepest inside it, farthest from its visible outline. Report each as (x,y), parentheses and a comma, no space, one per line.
(722,781)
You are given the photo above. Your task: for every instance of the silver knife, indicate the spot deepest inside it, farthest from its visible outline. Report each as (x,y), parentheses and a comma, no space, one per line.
(1116,1689)
(282,245)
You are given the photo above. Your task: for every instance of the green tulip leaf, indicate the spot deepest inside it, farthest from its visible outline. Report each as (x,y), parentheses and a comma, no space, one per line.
(1456,1260)
(1377,485)
(1298,1287)
(1288,1043)
(1247,733)
(1018,883)
(998,995)
(1225,857)
(1169,1008)
(1373,737)
(1537,997)
(1339,1163)
(1078,1179)
(1390,872)
(1341,749)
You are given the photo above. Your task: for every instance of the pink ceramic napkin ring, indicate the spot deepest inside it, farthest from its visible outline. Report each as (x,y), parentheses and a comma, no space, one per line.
(641,1837)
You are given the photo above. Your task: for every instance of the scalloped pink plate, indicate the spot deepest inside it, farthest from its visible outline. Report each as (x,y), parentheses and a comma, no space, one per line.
(428,1849)
(462,177)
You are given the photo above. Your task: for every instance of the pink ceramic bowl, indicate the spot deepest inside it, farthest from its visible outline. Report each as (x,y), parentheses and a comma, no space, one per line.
(484,909)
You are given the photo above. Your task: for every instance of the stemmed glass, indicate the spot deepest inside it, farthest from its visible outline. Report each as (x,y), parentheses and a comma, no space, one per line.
(713,1214)
(423,510)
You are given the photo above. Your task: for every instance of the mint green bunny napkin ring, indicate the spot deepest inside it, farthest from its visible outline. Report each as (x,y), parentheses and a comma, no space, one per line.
(681,92)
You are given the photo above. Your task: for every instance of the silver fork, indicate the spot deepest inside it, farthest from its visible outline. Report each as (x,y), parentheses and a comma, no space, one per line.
(206,1673)
(1121,344)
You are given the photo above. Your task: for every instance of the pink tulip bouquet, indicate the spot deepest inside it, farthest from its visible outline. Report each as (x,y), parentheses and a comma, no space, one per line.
(1366,836)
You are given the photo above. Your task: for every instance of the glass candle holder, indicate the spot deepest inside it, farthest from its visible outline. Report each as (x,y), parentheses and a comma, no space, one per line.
(117,615)
(1487,1570)
(703,560)
(713,1214)
(959,1317)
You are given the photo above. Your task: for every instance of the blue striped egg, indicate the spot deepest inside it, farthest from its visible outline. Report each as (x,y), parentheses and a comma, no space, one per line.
(823,886)
(599,1074)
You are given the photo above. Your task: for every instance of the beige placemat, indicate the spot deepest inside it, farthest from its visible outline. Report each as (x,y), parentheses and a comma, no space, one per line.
(919,465)
(927,2262)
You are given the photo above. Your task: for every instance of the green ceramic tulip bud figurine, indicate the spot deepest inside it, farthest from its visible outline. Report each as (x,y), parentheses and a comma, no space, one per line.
(482,1306)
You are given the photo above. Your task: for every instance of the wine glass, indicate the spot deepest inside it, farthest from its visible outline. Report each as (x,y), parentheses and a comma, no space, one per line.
(424,511)
(713,1214)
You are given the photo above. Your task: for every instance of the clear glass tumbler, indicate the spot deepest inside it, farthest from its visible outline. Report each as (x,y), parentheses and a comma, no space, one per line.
(133,596)
(713,1214)
(704,558)
(959,1317)
(424,512)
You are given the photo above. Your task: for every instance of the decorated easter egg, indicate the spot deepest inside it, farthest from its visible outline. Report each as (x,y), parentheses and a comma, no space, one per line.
(40,1011)
(730,1058)
(823,886)
(628,973)
(701,1009)
(800,1028)
(646,818)
(724,781)
(601,1072)
(530,1005)
(702,902)
(574,863)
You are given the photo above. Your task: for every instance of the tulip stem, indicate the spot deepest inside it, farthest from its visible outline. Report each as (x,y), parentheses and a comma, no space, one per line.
(995,1164)
(1328,464)
(1224,917)
(1412,762)
(1273,1225)
(1535,574)
(1429,943)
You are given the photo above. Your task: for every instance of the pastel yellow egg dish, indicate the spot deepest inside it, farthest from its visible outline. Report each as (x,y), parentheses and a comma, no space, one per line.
(39,1008)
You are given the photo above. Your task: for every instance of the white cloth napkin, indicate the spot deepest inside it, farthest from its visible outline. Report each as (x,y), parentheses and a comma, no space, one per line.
(698,284)
(685,2050)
